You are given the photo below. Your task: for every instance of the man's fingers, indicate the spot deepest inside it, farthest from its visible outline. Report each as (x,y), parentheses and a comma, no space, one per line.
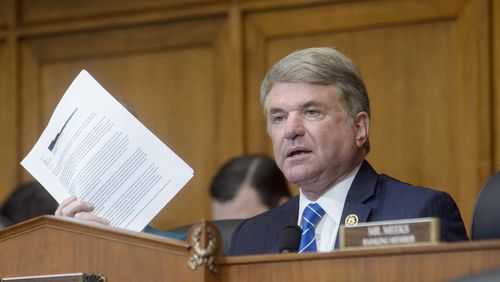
(77,207)
(71,206)
(63,205)
(90,217)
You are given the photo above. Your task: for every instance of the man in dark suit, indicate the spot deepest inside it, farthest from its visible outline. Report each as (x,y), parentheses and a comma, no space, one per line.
(318,114)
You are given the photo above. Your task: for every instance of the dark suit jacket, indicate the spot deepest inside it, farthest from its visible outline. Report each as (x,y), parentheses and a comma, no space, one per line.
(372,197)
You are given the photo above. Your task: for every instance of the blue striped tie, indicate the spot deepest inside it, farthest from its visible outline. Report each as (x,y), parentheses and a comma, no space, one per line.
(310,217)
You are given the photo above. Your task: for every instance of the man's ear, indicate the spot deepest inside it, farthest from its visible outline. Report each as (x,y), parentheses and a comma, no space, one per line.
(361,126)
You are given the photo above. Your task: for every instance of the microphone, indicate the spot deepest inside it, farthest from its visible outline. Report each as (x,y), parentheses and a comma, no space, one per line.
(289,240)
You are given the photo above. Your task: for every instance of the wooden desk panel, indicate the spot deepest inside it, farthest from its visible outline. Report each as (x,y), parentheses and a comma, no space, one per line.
(51,245)
(413,263)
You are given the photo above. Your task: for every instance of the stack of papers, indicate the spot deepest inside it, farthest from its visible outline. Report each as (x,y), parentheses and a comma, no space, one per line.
(97,150)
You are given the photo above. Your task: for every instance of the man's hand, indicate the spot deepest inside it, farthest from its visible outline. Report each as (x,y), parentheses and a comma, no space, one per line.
(71,207)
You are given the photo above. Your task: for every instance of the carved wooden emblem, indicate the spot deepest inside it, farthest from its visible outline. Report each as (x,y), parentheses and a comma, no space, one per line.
(203,255)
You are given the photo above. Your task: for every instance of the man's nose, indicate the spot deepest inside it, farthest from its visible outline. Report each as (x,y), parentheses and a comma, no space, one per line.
(294,127)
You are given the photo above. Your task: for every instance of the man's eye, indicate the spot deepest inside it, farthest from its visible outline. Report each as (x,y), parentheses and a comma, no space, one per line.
(312,112)
(277,118)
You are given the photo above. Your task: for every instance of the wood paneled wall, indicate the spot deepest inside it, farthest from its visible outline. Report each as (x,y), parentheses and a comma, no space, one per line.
(192,71)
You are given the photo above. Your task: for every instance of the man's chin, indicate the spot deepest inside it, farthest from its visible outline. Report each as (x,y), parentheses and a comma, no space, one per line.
(298,177)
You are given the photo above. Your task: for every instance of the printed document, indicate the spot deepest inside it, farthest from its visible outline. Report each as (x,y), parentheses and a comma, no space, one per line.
(97,150)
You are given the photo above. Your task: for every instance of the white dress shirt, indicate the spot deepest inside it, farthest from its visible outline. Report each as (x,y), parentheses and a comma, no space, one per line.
(333,203)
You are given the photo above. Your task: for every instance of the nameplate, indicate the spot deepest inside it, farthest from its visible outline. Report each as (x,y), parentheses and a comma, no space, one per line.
(390,233)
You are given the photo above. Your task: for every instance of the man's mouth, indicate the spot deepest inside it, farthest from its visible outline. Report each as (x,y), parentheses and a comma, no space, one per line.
(296,152)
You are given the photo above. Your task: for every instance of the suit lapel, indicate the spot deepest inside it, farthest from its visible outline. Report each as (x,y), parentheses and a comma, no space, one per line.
(289,213)
(362,188)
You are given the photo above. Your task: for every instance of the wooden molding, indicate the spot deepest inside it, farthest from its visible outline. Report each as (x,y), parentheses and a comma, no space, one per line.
(3,15)
(495,77)
(50,11)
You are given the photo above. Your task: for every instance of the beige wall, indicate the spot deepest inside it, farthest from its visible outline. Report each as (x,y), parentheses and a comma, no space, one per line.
(192,71)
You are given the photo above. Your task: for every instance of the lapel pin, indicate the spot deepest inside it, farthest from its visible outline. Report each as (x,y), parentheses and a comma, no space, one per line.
(351,219)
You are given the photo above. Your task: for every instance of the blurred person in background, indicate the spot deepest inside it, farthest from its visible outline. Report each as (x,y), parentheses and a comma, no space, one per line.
(25,202)
(246,186)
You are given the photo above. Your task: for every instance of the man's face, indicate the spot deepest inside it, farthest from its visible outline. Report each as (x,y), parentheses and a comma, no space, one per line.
(314,143)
